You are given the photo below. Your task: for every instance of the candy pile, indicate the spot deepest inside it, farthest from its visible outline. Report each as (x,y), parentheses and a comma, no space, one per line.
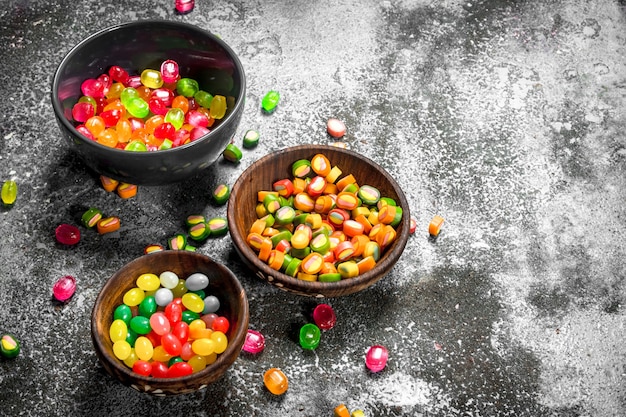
(168,327)
(155,110)
(320,227)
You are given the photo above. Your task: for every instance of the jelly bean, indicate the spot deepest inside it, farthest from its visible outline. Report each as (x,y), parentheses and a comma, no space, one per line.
(148,282)
(143,348)
(197,363)
(118,330)
(67,234)
(91,217)
(196,281)
(188,316)
(163,296)
(174,359)
(92,87)
(182,103)
(179,369)
(9,346)
(160,355)
(142,367)
(174,311)
(211,304)
(275,381)
(232,153)
(136,146)
(220,324)
(131,337)
(270,101)
(137,107)
(203,346)
(197,119)
(208,319)
(140,325)
(181,331)
(160,323)
(309,336)
(324,316)
(123,312)
(122,349)
(159,369)
(376,358)
(64,288)
(168,279)
(203,98)
(134,296)
(251,139)
(221,341)
(187,87)
(254,343)
(171,344)
(218,106)
(148,306)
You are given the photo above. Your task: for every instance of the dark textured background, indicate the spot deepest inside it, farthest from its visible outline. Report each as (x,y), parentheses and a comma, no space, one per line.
(505,117)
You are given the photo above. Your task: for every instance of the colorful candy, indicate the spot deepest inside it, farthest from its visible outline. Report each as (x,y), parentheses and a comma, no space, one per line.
(64,288)
(108,225)
(67,234)
(91,217)
(275,381)
(309,336)
(9,346)
(335,128)
(221,194)
(270,101)
(251,139)
(434,227)
(232,153)
(376,358)
(324,316)
(254,343)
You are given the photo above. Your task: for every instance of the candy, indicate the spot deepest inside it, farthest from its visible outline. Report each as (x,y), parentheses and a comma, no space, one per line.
(211,304)
(218,107)
(376,358)
(197,281)
(341,411)
(218,226)
(9,346)
(434,227)
(125,190)
(270,101)
(64,288)
(232,153)
(324,316)
(177,242)
(251,139)
(108,225)
(336,128)
(9,193)
(184,6)
(155,247)
(275,381)
(91,217)
(67,234)
(221,194)
(357,413)
(254,343)
(309,336)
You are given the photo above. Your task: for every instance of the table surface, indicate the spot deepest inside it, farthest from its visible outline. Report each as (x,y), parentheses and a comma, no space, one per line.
(506,118)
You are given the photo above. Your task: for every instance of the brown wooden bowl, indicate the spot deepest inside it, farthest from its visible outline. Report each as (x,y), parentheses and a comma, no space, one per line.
(277,165)
(222,283)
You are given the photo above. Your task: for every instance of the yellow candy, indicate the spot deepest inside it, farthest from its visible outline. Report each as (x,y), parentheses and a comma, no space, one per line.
(134,296)
(118,330)
(204,346)
(122,349)
(144,348)
(221,341)
(197,363)
(148,282)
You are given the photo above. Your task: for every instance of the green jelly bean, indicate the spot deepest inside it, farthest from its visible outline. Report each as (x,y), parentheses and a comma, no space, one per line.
(136,146)
(124,313)
(189,316)
(9,193)
(131,337)
(176,117)
(203,98)
(148,306)
(140,325)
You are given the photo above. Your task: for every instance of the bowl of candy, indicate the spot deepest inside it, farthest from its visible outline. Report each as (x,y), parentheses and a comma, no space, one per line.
(149,102)
(318,220)
(170,322)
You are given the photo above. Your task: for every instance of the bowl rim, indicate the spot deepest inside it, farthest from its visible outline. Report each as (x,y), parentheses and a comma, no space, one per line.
(317,288)
(58,108)
(239,334)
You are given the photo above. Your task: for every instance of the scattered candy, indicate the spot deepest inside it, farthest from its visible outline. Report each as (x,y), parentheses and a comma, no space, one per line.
(67,234)
(91,217)
(275,381)
(9,193)
(184,6)
(376,358)
(108,225)
(309,336)
(434,227)
(221,194)
(155,247)
(324,316)
(232,153)
(109,184)
(413,226)
(341,411)
(125,190)
(254,343)
(64,288)
(336,128)
(9,346)
(270,101)
(357,413)
(251,139)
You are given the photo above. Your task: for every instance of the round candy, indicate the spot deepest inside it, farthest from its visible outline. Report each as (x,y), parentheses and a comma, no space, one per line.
(163,296)
(275,381)
(67,234)
(309,336)
(251,139)
(64,288)
(254,343)
(324,316)
(376,358)
(232,153)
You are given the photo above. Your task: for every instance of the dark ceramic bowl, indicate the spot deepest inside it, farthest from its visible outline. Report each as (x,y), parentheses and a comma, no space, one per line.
(222,283)
(277,165)
(146,44)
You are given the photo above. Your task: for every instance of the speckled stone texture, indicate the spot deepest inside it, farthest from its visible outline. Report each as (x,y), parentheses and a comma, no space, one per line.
(505,117)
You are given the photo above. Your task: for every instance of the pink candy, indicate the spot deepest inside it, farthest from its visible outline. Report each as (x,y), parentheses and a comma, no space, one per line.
(324,316)
(64,288)
(67,234)
(376,358)
(255,342)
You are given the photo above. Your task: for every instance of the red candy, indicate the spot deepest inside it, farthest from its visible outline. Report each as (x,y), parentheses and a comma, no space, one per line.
(66,234)
(64,288)
(179,369)
(324,316)
(220,324)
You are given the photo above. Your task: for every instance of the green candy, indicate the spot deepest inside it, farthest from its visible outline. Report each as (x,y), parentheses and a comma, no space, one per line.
(203,98)
(91,217)
(124,313)
(270,101)
(9,346)
(232,153)
(187,87)
(221,194)
(148,306)
(251,139)
(218,226)
(140,325)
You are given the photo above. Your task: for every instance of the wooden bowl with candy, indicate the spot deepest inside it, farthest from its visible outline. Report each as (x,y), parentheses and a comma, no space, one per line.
(277,204)
(184,315)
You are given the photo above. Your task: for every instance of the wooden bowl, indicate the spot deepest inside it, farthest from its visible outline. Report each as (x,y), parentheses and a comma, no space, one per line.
(277,165)
(222,283)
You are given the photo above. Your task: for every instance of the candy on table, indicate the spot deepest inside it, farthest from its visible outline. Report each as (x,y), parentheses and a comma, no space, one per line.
(125,190)
(184,6)
(108,225)
(251,139)
(218,226)
(309,336)
(221,194)
(91,217)
(154,247)
(434,227)
(275,381)
(64,288)
(9,346)
(270,101)
(413,225)
(336,128)
(376,358)
(254,343)
(199,231)
(341,411)
(232,153)
(67,234)
(177,242)
(357,413)
(109,184)
(9,193)
(324,316)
